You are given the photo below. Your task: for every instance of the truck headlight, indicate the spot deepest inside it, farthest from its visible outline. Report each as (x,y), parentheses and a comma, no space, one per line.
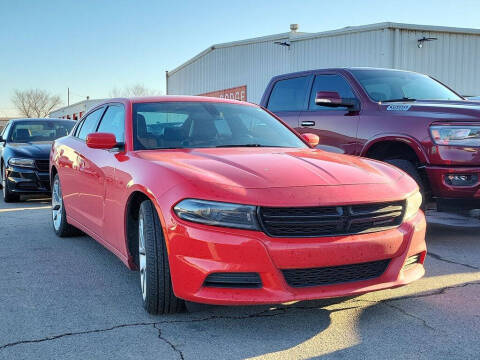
(21,162)
(414,202)
(218,213)
(456,135)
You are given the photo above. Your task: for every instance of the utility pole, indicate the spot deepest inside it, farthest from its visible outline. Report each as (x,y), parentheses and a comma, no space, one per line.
(68,96)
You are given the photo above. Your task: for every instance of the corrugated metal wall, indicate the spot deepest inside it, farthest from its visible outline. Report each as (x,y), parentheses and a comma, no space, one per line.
(451,59)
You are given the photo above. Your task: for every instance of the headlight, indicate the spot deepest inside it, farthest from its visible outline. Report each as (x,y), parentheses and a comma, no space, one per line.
(217,213)
(456,135)
(22,162)
(414,202)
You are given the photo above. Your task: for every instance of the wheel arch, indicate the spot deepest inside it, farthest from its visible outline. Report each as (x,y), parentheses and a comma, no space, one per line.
(391,143)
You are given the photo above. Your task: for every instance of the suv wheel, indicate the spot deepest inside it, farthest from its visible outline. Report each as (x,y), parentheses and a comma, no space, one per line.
(155,280)
(410,169)
(8,195)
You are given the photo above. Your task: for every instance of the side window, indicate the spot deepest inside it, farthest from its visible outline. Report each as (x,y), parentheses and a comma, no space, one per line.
(76,131)
(90,123)
(4,132)
(289,95)
(330,83)
(114,122)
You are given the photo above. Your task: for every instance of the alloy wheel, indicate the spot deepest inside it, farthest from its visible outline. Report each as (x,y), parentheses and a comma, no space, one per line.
(57,204)
(142,258)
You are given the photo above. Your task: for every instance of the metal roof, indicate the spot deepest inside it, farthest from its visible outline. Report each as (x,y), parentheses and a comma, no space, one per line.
(299,36)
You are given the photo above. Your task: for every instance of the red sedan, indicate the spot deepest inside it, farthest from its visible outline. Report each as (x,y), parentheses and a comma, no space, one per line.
(217,201)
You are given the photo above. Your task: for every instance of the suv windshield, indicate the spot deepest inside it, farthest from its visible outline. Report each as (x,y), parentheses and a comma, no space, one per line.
(37,130)
(392,85)
(170,125)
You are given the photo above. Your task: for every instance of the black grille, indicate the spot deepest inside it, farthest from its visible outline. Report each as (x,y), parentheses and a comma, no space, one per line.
(334,274)
(42,165)
(233,280)
(330,221)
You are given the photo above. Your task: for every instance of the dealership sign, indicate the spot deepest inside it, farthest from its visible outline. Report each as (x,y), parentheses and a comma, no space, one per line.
(236,93)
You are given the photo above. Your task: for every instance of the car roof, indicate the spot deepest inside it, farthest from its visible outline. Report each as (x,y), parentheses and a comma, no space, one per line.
(175,98)
(39,119)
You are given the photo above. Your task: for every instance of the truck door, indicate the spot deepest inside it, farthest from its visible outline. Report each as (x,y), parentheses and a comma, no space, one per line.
(288,98)
(336,127)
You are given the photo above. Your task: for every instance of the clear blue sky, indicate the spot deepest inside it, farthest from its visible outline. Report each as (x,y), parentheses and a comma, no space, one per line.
(93,46)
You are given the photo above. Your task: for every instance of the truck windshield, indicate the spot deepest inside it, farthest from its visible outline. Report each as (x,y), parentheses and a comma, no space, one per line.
(179,125)
(393,85)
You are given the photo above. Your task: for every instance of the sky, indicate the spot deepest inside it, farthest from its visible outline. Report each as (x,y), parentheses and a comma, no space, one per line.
(94,46)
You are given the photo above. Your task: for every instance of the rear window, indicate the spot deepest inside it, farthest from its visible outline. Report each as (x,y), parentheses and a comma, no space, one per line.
(289,94)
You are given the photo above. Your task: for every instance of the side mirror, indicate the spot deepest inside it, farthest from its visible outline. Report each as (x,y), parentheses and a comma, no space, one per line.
(311,139)
(333,99)
(101,141)
(1,139)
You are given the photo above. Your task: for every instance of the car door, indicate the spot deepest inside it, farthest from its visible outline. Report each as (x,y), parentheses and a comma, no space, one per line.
(336,127)
(85,183)
(289,97)
(4,134)
(109,161)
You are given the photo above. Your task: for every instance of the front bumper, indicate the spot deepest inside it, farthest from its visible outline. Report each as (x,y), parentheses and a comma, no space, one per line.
(196,251)
(27,180)
(440,189)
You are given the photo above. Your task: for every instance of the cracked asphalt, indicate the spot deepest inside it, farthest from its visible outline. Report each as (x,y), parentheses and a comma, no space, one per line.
(72,299)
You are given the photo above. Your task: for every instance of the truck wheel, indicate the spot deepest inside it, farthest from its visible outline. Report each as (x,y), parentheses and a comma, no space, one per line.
(8,196)
(411,170)
(59,217)
(155,280)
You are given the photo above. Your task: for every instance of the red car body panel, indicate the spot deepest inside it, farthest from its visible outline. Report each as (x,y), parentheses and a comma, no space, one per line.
(98,184)
(355,133)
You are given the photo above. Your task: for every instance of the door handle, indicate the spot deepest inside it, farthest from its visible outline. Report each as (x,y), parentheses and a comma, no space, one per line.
(308,123)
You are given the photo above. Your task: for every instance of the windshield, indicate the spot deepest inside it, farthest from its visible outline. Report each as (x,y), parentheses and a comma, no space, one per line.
(391,85)
(32,131)
(170,125)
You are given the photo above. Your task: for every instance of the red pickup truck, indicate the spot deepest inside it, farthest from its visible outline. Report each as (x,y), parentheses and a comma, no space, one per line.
(404,118)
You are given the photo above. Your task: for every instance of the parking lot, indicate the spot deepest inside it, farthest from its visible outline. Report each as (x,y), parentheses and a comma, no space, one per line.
(72,299)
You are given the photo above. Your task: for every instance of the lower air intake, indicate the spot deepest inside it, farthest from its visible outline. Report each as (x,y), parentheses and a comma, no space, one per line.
(334,274)
(244,280)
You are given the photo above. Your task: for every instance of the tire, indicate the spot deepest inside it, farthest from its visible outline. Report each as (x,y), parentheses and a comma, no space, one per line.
(410,169)
(155,281)
(59,217)
(8,196)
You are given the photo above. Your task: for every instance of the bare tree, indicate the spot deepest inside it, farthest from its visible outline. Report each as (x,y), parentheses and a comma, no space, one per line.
(35,102)
(134,90)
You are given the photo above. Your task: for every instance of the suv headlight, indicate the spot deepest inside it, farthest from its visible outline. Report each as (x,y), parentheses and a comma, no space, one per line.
(218,213)
(456,135)
(414,202)
(21,162)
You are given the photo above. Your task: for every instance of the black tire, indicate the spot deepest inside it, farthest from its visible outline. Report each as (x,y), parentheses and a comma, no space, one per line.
(158,296)
(62,228)
(8,195)
(410,169)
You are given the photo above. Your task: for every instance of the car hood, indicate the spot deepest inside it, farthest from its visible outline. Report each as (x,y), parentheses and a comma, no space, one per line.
(455,111)
(33,150)
(272,167)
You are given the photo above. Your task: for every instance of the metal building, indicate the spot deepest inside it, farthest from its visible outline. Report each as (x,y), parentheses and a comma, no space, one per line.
(242,69)
(75,111)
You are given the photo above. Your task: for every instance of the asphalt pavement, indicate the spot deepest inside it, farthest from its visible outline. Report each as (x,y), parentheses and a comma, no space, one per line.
(72,299)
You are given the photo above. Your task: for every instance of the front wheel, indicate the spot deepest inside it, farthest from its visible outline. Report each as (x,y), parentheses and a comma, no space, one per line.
(59,216)
(155,280)
(8,195)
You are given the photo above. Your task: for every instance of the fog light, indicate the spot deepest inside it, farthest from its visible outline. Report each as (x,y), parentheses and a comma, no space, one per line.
(461,179)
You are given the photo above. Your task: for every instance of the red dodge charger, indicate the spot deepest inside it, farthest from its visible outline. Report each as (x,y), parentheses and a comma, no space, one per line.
(218,201)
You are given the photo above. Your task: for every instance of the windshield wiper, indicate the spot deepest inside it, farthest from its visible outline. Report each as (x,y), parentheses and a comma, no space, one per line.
(400,100)
(240,145)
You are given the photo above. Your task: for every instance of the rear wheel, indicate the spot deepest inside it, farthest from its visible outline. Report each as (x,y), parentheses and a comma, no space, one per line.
(8,195)
(59,216)
(155,280)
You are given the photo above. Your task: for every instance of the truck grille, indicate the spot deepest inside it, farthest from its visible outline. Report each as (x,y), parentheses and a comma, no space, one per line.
(330,221)
(42,165)
(334,274)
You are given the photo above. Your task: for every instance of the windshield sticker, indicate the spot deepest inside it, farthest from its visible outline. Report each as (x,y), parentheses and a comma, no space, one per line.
(398,107)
